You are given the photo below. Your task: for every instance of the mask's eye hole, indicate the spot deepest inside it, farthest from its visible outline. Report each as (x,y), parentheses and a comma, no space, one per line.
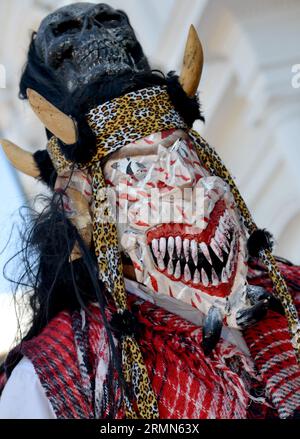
(130,167)
(136,168)
(67,26)
(111,20)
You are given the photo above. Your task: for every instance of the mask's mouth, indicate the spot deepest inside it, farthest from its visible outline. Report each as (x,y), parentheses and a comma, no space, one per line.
(206,261)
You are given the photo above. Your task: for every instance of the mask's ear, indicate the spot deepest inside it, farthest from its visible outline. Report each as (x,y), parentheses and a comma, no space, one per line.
(192,63)
(59,124)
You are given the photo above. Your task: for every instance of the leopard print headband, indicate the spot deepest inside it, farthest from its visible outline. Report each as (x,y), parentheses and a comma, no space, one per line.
(115,124)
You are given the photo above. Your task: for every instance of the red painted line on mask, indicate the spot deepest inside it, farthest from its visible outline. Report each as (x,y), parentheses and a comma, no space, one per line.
(181,229)
(141,223)
(193,305)
(137,266)
(154,282)
(198,297)
(183,177)
(171,292)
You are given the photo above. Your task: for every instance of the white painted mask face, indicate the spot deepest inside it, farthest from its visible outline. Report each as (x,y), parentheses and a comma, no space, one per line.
(178,224)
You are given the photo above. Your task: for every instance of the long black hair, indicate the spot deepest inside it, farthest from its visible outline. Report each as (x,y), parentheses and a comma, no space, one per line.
(53,283)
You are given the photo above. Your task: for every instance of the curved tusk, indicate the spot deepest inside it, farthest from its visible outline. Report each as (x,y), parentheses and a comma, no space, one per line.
(62,126)
(22,160)
(192,63)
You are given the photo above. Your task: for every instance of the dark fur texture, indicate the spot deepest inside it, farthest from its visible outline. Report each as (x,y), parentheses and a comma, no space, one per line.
(188,107)
(47,172)
(259,240)
(48,239)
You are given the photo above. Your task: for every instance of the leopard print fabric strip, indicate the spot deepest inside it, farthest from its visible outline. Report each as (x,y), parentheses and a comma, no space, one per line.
(128,118)
(214,164)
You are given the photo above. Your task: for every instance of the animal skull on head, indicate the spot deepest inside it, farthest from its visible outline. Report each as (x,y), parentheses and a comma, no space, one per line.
(84,42)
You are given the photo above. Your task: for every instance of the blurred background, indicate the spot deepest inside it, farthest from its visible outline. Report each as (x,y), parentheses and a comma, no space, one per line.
(249,98)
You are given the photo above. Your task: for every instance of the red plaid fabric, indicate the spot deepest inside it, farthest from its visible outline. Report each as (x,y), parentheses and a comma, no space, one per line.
(188,384)
(70,357)
(67,354)
(271,348)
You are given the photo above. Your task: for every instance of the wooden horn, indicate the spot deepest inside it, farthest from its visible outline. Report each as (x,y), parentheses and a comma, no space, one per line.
(192,63)
(22,160)
(62,126)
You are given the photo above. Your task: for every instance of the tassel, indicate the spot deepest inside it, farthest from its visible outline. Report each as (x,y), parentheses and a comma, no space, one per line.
(258,241)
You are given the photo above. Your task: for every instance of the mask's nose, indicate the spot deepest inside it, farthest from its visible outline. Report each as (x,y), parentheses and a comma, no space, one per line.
(88,22)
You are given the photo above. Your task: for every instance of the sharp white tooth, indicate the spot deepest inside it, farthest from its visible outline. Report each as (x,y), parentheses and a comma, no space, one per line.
(233,242)
(155,248)
(214,278)
(187,273)
(204,277)
(224,228)
(229,266)
(194,251)
(205,251)
(186,249)
(162,247)
(160,263)
(227,233)
(171,246)
(216,249)
(221,241)
(218,234)
(170,267)
(177,273)
(227,243)
(224,277)
(196,279)
(221,227)
(178,243)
